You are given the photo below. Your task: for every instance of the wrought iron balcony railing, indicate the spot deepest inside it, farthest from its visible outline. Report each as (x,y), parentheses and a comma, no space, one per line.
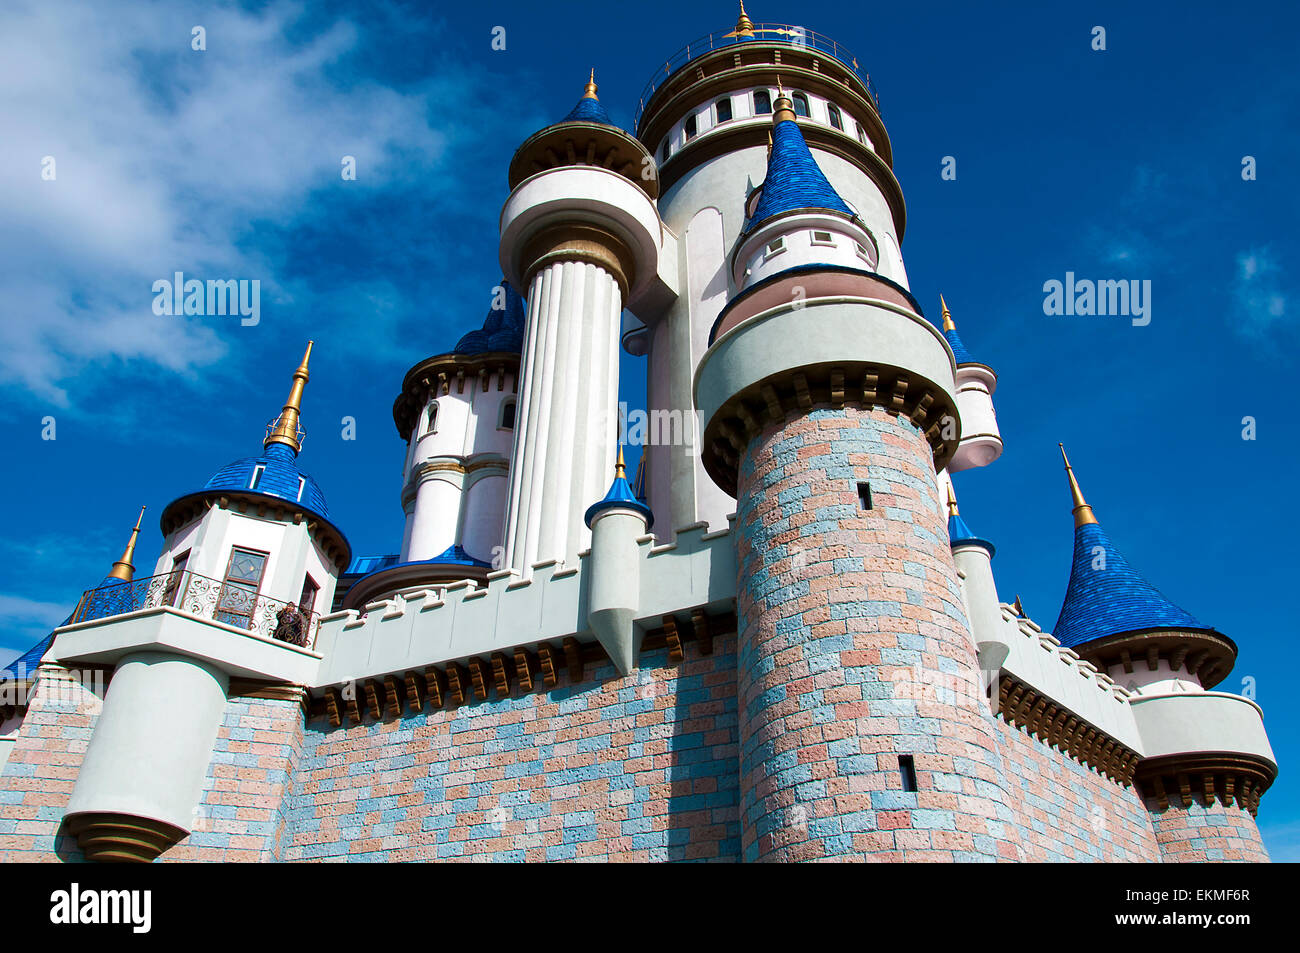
(223,601)
(795,36)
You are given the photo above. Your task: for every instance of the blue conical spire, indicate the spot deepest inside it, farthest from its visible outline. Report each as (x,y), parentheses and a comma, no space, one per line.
(954,339)
(589,108)
(620,496)
(959,533)
(794,180)
(1106,596)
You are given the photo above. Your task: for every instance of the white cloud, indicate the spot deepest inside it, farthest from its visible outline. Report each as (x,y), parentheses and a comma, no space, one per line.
(164,156)
(1258,294)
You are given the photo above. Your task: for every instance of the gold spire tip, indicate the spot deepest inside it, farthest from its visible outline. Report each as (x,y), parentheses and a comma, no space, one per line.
(1082,511)
(123,569)
(590,91)
(284,429)
(620,468)
(948,324)
(952,502)
(744,25)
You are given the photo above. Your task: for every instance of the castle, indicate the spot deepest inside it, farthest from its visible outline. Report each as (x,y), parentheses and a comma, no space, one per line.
(779,640)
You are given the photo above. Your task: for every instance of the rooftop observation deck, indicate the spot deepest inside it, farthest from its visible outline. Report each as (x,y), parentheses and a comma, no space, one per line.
(796,37)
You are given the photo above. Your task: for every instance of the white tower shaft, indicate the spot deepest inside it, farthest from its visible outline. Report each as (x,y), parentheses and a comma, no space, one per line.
(566,439)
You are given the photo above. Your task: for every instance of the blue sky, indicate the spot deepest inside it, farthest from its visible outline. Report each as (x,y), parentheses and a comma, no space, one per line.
(225,163)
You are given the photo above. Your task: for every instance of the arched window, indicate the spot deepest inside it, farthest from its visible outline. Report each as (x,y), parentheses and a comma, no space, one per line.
(507,415)
(862,136)
(690,126)
(836,119)
(723,109)
(762,102)
(800,105)
(431,418)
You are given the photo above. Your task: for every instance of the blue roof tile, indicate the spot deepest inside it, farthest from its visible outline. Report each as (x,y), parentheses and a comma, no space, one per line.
(958,348)
(589,110)
(794,180)
(279,479)
(959,533)
(1113,598)
(503,328)
(620,496)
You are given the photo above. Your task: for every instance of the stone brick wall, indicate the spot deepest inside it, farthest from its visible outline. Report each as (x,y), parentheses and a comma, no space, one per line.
(1068,812)
(854,650)
(641,768)
(1199,833)
(242,814)
(37,781)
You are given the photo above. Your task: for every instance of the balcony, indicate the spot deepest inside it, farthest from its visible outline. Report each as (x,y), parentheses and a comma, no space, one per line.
(226,602)
(796,37)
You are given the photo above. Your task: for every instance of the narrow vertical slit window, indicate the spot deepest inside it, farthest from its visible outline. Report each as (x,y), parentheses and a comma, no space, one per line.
(723,110)
(690,127)
(864,496)
(907,771)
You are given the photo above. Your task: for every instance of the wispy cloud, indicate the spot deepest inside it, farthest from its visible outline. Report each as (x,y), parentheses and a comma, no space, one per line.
(168,159)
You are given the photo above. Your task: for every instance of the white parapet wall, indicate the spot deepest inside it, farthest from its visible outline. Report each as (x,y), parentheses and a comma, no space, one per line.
(696,571)
(1037,659)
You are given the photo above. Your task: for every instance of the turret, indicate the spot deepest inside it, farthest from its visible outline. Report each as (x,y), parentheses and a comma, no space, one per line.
(1206,757)
(580,232)
(707,117)
(616,521)
(973,556)
(457,413)
(981,441)
(828,410)
(249,562)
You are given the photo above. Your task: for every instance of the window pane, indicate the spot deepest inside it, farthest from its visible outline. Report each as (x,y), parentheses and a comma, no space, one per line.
(690,126)
(836,121)
(762,102)
(724,109)
(800,105)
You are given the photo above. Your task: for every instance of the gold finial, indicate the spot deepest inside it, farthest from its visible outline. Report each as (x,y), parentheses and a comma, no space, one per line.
(952,502)
(947,315)
(1020,610)
(769,143)
(122,569)
(620,469)
(284,429)
(783,108)
(744,26)
(590,92)
(1082,511)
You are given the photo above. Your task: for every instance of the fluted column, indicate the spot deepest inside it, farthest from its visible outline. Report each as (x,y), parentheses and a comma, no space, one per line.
(565,440)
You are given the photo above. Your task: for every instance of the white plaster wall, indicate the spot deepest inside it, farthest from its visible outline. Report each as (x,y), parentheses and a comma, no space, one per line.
(800,248)
(1163,681)
(742,112)
(485,511)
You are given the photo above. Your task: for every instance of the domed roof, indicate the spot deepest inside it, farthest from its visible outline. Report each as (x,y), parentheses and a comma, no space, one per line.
(589,108)
(503,328)
(794,180)
(279,478)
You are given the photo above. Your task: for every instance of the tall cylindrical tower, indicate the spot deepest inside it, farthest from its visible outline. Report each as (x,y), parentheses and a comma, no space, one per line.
(828,408)
(581,233)
(706,117)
